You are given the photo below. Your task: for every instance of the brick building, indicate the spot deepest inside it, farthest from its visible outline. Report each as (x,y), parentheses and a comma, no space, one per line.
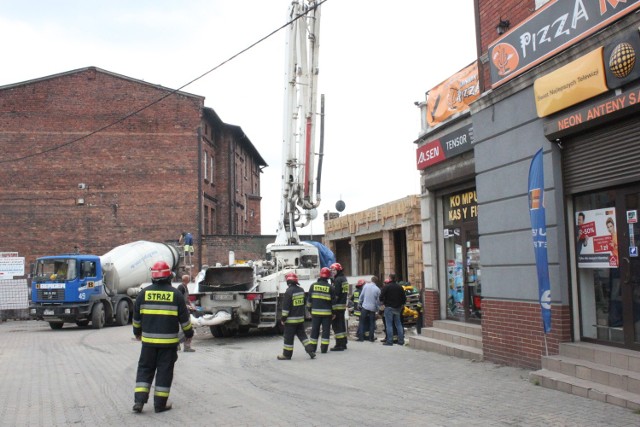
(558,77)
(92,159)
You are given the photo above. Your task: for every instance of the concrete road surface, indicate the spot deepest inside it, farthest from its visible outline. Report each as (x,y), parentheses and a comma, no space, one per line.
(85,377)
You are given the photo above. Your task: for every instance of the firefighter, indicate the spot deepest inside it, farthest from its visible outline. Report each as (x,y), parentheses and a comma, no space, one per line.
(355,300)
(293,318)
(319,303)
(158,314)
(341,287)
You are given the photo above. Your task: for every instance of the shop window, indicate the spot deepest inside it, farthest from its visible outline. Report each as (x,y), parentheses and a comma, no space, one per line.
(599,284)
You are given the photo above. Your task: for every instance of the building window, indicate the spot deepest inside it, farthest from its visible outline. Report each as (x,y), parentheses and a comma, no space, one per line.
(206,220)
(211,171)
(205,164)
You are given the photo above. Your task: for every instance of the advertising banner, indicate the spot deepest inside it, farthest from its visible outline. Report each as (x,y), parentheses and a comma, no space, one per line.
(578,80)
(596,238)
(539,234)
(445,147)
(10,267)
(552,29)
(453,95)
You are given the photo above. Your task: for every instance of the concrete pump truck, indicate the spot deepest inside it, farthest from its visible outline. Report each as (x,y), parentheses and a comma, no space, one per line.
(237,297)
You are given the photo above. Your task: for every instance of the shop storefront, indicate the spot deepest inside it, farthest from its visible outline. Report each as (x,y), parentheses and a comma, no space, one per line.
(602,185)
(462,256)
(449,200)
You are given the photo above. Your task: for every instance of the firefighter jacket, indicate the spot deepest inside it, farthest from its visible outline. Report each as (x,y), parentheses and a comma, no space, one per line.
(355,299)
(341,287)
(293,305)
(158,314)
(321,295)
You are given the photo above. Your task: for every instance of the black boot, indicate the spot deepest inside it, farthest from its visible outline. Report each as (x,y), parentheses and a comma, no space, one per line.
(164,408)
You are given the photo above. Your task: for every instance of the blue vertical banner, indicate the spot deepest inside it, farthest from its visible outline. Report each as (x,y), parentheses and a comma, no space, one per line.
(539,234)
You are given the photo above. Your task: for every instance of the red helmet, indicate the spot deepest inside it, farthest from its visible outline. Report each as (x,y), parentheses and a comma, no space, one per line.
(291,276)
(336,266)
(160,270)
(360,283)
(325,273)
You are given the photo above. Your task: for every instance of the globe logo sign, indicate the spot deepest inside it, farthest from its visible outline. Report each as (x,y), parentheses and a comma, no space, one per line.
(622,60)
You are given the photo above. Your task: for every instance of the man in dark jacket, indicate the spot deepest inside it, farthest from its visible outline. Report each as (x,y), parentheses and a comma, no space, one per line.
(341,287)
(293,308)
(158,314)
(394,298)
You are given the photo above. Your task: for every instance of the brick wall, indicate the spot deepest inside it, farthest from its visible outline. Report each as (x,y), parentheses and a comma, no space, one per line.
(245,247)
(512,332)
(141,173)
(431,306)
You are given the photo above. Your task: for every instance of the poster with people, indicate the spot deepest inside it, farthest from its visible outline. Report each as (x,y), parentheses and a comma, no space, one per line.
(596,238)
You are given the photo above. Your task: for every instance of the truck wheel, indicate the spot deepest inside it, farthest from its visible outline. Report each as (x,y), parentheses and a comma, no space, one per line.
(216,331)
(229,332)
(219,331)
(56,325)
(122,313)
(98,316)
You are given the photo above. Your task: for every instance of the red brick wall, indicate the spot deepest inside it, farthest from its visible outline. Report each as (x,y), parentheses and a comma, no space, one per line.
(141,173)
(490,11)
(431,306)
(245,247)
(512,332)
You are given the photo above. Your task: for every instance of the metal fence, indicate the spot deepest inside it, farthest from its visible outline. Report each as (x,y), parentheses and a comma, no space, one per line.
(14,299)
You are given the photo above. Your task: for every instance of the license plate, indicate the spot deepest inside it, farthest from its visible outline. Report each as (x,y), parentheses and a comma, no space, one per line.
(48,313)
(223,297)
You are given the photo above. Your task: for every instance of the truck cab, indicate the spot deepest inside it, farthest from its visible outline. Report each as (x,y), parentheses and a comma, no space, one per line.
(68,278)
(69,289)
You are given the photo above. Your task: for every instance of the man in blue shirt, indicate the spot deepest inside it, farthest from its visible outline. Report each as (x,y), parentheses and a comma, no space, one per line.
(369,297)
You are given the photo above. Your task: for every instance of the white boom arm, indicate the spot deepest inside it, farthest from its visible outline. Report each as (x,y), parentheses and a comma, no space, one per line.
(298,156)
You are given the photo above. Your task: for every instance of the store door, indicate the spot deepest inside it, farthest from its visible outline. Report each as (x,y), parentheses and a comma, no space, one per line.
(607,249)
(628,247)
(462,251)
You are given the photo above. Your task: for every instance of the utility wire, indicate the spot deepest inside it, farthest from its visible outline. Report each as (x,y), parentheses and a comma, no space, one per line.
(122,119)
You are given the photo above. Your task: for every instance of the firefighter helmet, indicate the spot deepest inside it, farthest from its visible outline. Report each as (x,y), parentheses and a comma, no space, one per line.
(325,273)
(160,270)
(360,283)
(336,266)
(291,276)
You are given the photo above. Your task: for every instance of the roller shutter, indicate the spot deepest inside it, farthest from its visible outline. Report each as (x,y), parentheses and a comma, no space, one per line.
(604,157)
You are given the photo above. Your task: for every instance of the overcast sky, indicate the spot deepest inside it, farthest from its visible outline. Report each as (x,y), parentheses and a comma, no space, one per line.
(376,59)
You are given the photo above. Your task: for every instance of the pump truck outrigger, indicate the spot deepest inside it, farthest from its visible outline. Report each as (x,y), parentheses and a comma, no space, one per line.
(238,297)
(83,289)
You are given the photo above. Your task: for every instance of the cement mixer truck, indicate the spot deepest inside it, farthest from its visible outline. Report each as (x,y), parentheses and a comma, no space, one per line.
(97,290)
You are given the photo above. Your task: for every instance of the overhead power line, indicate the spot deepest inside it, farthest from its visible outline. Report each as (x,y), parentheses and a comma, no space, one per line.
(168,94)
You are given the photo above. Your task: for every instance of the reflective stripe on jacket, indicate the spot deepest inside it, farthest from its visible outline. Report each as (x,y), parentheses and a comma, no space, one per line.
(293,304)
(341,287)
(321,295)
(158,314)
